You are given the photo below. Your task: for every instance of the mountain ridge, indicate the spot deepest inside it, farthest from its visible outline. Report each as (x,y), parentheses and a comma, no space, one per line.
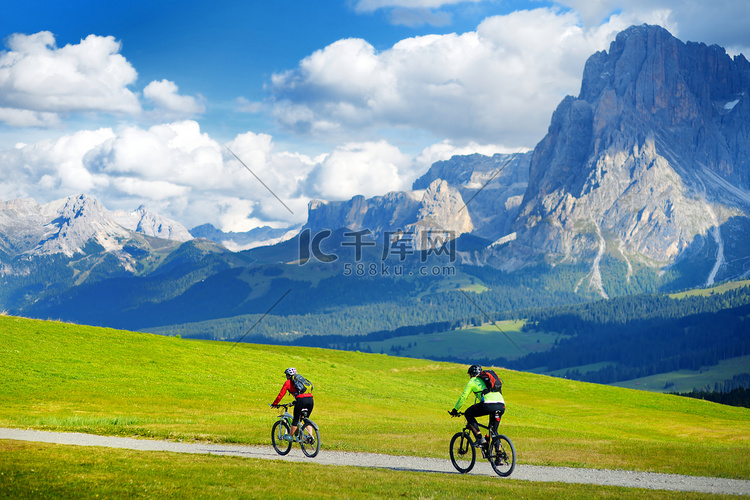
(67,225)
(640,164)
(617,198)
(648,166)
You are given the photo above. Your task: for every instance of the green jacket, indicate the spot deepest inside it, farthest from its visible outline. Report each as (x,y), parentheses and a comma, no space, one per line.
(476,385)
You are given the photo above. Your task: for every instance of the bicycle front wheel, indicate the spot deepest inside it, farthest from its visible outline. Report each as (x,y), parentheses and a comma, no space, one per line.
(310,440)
(502,456)
(463,454)
(280,429)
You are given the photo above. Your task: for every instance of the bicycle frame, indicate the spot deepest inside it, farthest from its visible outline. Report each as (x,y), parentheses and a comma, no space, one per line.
(499,449)
(288,418)
(491,430)
(307,434)
(491,433)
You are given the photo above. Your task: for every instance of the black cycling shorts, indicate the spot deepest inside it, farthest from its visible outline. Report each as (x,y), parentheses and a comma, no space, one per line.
(481,409)
(299,405)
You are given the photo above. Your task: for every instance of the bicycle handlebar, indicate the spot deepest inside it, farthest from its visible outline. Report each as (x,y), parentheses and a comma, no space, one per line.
(457,414)
(283,405)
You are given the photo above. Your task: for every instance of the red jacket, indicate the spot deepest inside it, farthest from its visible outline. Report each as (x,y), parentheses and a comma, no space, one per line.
(292,390)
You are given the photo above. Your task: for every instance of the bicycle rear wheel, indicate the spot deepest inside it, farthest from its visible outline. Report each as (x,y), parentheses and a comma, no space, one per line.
(463,454)
(279,429)
(502,456)
(310,442)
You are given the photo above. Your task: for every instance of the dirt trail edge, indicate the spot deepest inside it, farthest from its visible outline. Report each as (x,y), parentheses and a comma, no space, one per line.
(630,479)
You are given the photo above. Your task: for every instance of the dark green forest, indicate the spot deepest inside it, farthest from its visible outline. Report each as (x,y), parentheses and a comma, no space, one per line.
(643,335)
(735,397)
(636,336)
(225,305)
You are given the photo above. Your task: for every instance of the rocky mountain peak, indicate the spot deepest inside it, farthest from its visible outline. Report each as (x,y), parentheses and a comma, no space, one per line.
(70,224)
(79,220)
(437,207)
(689,94)
(442,208)
(142,221)
(651,158)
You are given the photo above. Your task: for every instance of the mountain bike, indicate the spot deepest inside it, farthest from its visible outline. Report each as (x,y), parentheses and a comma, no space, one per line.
(499,450)
(307,434)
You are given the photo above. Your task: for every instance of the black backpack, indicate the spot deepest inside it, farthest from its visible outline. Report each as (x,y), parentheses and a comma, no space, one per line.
(301,385)
(491,381)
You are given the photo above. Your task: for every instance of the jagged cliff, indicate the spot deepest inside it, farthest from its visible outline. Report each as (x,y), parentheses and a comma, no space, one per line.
(81,229)
(649,164)
(68,225)
(439,207)
(492,188)
(652,158)
(474,194)
(649,167)
(144,222)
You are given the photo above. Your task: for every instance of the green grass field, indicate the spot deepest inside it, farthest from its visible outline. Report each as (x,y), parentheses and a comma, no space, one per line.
(38,470)
(58,376)
(687,380)
(721,288)
(504,340)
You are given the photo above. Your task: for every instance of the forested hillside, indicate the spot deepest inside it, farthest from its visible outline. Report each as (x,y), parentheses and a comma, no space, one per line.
(343,306)
(607,341)
(643,335)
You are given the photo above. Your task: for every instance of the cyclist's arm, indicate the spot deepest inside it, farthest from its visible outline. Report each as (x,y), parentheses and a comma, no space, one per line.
(471,386)
(282,393)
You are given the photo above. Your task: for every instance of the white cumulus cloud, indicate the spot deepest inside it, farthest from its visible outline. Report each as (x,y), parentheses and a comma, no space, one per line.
(412,12)
(370,169)
(498,84)
(179,171)
(173,168)
(164,94)
(27,118)
(38,79)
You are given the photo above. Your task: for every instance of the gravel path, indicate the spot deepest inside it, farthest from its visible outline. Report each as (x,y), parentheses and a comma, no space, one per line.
(629,479)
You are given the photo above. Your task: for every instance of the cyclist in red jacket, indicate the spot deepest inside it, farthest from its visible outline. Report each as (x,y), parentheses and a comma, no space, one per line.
(301,401)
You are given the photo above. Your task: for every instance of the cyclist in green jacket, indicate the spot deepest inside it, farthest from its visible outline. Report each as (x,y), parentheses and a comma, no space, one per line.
(487,404)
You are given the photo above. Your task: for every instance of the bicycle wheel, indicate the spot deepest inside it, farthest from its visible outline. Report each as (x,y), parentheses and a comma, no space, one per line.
(463,454)
(310,441)
(502,456)
(279,429)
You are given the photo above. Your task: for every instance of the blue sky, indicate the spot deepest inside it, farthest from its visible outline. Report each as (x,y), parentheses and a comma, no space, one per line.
(134,102)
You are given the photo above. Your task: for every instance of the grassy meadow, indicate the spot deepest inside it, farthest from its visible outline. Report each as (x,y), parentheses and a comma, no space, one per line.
(504,337)
(40,470)
(687,380)
(66,377)
(720,288)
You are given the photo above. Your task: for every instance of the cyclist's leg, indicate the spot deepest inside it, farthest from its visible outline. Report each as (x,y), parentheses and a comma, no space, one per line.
(495,408)
(296,414)
(471,414)
(308,404)
(299,405)
(496,413)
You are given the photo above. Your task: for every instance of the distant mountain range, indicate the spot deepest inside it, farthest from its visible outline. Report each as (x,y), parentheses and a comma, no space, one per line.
(641,183)
(70,225)
(649,164)
(648,168)
(238,241)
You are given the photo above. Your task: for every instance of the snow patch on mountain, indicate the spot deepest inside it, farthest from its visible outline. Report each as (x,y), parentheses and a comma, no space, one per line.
(71,225)
(144,222)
